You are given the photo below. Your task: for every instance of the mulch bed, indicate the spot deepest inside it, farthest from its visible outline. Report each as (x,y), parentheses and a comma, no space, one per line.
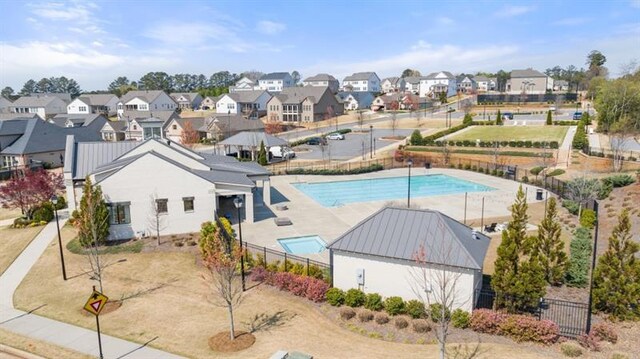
(222,343)
(111,306)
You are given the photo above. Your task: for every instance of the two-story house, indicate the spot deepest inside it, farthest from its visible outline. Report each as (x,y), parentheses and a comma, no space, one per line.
(209,102)
(44,105)
(437,82)
(356,100)
(4,104)
(275,81)
(146,101)
(187,100)
(412,84)
(466,84)
(135,130)
(362,81)
(484,84)
(304,104)
(105,104)
(250,104)
(322,80)
(244,84)
(529,81)
(393,84)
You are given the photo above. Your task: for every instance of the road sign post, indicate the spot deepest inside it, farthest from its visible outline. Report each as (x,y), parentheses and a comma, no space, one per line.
(94,305)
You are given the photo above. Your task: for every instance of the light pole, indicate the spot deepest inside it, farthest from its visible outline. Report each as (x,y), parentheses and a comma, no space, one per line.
(238,203)
(54,200)
(409,163)
(371,141)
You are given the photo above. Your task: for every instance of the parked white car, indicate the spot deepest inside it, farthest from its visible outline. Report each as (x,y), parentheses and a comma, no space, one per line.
(335,136)
(282,152)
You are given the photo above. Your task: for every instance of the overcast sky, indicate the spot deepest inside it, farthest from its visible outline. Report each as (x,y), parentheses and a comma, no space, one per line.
(94,42)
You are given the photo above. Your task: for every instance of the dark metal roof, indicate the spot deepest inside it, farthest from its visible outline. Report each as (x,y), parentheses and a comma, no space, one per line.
(91,155)
(253,139)
(400,233)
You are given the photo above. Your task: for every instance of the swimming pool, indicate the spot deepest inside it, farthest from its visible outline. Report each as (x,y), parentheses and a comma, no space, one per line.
(334,194)
(303,245)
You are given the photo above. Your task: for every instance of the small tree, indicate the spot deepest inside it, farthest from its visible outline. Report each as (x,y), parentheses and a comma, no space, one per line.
(189,135)
(518,280)
(442,96)
(416,138)
(394,122)
(620,133)
(549,118)
(616,288)
(29,190)
(580,260)
(262,155)
(549,248)
(582,189)
(360,118)
(499,120)
(156,219)
(221,255)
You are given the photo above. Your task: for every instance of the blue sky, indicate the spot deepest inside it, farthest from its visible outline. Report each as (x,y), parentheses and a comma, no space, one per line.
(96,41)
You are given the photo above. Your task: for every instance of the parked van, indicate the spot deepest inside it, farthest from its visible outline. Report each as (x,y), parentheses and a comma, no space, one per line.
(284,152)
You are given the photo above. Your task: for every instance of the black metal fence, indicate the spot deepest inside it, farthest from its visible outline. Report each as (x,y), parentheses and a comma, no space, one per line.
(571,317)
(283,259)
(524,98)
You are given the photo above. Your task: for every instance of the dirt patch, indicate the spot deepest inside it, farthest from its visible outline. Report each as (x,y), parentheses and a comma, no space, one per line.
(222,342)
(111,306)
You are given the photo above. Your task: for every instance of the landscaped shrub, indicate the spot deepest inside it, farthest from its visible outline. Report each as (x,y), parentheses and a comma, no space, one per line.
(382,318)
(394,305)
(335,172)
(416,138)
(621,180)
(365,315)
(588,218)
(536,170)
(580,258)
(486,321)
(420,326)
(373,302)
(589,342)
(571,350)
(605,189)
(435,312)
(43,213)
(335,297)
(415,309)
(572,206)
(354,298)
(460,318)
(523,328)
(302,286)
(401,323)
(556,172)
(605,331)
(316,289)
(258,274)
(619,356)
(347,313)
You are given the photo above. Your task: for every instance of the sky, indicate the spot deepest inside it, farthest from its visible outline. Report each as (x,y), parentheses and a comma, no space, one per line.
(96,41)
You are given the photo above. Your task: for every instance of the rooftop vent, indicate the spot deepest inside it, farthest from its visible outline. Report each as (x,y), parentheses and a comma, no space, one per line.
(474,235)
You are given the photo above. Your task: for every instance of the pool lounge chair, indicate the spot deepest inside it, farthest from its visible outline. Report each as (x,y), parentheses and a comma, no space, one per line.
(282,221)
(490,228)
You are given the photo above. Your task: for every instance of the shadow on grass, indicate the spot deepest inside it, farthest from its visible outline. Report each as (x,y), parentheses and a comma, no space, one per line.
(143,292)
(265,322)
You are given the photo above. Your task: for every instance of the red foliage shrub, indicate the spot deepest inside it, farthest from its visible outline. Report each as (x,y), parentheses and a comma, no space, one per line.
(523,328)
(589,342)
(301,286)
(605,331)
(298,286)
(281,280)
(259,274)
(487,321)
(316,289)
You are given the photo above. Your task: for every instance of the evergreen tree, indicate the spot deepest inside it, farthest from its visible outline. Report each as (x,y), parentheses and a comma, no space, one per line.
(616,288)
(518,278)
(580,260)
(262,155)
(416,138)
(499,121)
(549,247)
(92,217)
(468,119)
(549,118)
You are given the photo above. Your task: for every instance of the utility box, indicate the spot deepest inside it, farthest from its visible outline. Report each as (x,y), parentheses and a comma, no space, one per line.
(360,276)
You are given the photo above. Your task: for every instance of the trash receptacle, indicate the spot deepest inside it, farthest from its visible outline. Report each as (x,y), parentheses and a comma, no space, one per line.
(539,195)
(427,165)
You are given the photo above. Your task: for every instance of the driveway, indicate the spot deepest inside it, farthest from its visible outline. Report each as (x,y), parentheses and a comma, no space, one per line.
(353,145)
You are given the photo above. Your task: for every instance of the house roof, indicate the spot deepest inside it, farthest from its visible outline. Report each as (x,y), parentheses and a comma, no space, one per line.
(117,126)
(393,80)
(34,101)
(320,77)
(64,96)
(147,96)
(190,96)
(401,233)
(235,123)
(481,79)
(197,123)
(245,96)
(298,94)
(4,102)
(434,75)
(414,80)
(96,99)
(253,139)
(360,97)
(527,73)
(357,76)
(16,116)
(165,116)
(275,76)
(82,119)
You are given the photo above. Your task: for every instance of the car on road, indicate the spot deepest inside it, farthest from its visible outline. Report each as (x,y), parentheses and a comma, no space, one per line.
(314,141)
(507,116)
(335,136)
(577,115)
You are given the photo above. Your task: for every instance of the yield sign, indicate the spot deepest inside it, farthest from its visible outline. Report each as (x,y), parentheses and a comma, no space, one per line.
(96,303)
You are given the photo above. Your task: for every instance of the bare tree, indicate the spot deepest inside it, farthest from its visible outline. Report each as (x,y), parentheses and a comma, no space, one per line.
(418,118)
(582,189)
(189,135)
(394,121)
(446,152)
(360,118)
(620,134)
(156,220)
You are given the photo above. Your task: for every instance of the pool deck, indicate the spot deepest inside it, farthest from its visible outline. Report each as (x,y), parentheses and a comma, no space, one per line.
(311,218)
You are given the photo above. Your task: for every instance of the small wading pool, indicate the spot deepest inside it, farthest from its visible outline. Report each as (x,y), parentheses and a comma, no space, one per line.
(303,245)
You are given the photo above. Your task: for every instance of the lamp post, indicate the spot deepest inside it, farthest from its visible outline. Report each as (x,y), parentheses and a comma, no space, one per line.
(371,141)
(54,201)
(238,203)
(409,163)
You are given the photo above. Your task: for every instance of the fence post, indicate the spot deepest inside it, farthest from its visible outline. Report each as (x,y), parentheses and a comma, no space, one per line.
(307,267)
(540,302)
(264,251)
(285,261)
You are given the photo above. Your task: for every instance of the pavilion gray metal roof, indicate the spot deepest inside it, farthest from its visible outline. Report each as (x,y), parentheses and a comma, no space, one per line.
(400,233)
(91,155)
(527,73)
(253,139)
(233,123)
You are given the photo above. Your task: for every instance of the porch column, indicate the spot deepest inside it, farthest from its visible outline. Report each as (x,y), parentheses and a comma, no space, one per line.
(266,191)
(248,205)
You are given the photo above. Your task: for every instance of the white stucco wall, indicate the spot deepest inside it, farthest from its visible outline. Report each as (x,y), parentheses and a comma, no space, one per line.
(74,107)
(227,105)
(390,277)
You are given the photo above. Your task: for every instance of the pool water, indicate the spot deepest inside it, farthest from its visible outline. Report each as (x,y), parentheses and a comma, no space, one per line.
(303,245)
(334,194)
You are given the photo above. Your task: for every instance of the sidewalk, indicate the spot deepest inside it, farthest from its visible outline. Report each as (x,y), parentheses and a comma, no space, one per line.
(58,333)
(564,151)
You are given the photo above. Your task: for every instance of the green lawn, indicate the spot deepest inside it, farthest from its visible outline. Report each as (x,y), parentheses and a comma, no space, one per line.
(512,133)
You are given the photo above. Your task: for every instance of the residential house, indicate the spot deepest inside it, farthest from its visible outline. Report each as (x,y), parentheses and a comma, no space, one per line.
(13,116)
(44,105)
(4,105)
(114,130)
(105,104)
(146,101)
(25,141)
(362,82)
(393,84)
(484,83)
(162,177)
(244,84)
(64,96)
(134,131)
(437,82)
(322,80)
(304,104)
(187,100)
(76,120)
(379,255)
(222,126)
(529,81)
(412,84)
(356,100)
(176,127)
(251,104)
(560,85)
(209,102)
(466,84)
(275,81)
(398,101)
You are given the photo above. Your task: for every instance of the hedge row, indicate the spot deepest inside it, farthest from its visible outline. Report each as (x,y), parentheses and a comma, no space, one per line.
(308,287)
(566,123)
(332,172)
(515,144)
(521,328)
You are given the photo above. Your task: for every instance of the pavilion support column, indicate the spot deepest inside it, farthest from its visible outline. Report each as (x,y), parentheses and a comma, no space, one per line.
(266,191)
(248,200)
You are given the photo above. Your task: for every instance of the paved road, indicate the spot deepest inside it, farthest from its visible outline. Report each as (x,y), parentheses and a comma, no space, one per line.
(62,334)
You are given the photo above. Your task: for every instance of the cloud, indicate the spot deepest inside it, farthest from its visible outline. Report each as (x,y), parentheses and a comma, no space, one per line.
(270,27)
(75,12)
(443,20)
(509,11)
(635,4)
(421,44)
(572,21)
